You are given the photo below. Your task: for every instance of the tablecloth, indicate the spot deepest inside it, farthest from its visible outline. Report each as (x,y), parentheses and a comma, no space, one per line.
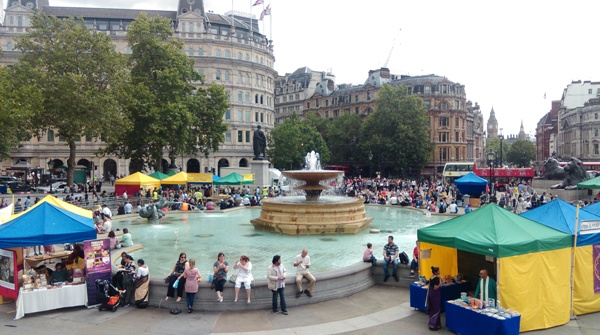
(45,300)
(466,322)
(449,292)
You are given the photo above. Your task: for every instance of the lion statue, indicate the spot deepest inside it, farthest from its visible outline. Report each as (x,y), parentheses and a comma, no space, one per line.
(553,170)
(574,173)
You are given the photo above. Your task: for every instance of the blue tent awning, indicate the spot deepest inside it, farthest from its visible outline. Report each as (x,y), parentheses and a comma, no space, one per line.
(561,215)
(471,184)
(46,224)
(594,208)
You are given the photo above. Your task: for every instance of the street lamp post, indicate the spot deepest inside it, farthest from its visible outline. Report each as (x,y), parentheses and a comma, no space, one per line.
(501,140)
(491,157)
(371,164)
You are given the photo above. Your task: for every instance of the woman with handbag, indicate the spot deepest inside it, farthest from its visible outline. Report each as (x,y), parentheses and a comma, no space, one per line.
(220,268)
(180,266)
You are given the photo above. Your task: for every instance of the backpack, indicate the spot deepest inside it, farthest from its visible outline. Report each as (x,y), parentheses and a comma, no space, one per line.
(403,258)
(442,208)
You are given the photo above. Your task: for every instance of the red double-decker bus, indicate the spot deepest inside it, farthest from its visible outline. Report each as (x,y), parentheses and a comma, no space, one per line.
(504,175)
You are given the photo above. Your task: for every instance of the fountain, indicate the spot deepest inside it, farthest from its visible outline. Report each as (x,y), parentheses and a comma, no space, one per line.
(311,214)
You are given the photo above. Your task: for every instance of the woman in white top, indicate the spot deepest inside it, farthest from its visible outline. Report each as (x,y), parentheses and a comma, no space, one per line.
(142,280)
(244,276)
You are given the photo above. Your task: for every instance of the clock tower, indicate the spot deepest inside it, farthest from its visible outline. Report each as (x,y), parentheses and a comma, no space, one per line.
(492,125)
(186,6)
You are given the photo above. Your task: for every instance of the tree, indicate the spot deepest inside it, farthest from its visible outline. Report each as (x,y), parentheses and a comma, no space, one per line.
(521,153)
(289,142)
(79,78)
(493,144)
(343,138)
(397,132)
(168,111)
(16,104)
(323,125)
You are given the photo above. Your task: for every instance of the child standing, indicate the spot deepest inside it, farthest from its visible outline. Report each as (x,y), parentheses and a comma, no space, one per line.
(368,255)
(192,276)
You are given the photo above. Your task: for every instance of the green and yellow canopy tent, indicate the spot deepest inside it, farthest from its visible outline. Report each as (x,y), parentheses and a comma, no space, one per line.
(235,179)
(563,216)
(134,182)
(531,260)
(159,175)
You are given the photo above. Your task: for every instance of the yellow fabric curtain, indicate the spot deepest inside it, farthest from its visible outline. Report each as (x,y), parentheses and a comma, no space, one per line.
(443,257)
(538,286)
(584,299)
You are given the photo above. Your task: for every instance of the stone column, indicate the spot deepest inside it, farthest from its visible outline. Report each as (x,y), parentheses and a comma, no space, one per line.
(260,169)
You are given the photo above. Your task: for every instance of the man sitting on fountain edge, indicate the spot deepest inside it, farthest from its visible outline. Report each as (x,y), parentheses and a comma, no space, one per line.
(390,255)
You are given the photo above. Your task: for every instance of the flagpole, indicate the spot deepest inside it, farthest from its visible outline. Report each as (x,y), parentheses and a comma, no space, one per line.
(573,317)
(261,13)
(270,22)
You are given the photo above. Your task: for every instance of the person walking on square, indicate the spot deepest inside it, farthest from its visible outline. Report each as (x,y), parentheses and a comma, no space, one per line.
(302,264)
(390,256)
(434,300)
(276,274)
(414,264)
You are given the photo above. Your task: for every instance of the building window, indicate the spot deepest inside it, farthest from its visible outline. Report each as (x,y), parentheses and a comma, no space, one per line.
(191,52)
(255,116)
(200,52)
(102,25)
(228,115)
(427,89)
(227,76)
(227,137)
(247,136)
(444,121)
(50,135)
(356,110)
(20,21)
(308,105)
(9,46)
(247,97)
(456,122)
(247,58)
(596,116)
(410,90)
(218,75)
(240,136)
(115,26)
(456,137)
(227,54)
(443,137)
(247,116)
(240,115)
(326,102)
(239,55)
(596,148)
(590,91)
(247,78)
(256,98)
(444,106)
(596,132)
(240,78)
(427,104)
(457,153)
(262,119)
(218,53)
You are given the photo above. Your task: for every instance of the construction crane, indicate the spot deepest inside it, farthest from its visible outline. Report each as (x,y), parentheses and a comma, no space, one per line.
(392,49)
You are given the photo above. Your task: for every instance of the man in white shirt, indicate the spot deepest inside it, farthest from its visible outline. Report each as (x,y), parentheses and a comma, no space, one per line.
(128,207)
(302,264)
(453,208)
(106,210)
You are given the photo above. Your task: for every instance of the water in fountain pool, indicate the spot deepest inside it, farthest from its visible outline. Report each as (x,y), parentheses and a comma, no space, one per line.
(203,235)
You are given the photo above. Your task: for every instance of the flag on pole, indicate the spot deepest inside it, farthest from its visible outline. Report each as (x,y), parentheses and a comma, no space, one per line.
(265,12)
(258,2)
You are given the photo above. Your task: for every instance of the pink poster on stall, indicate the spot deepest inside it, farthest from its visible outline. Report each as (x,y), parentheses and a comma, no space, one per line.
(596,267)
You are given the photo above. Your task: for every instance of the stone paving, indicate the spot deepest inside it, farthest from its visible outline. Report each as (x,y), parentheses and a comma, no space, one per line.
(379,310)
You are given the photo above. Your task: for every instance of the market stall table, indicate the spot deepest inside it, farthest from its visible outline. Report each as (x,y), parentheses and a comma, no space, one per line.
(418,294)
(49,299)
(465,321)
(35,260)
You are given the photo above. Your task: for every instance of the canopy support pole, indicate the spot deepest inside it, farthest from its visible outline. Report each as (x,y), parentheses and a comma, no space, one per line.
(573,316)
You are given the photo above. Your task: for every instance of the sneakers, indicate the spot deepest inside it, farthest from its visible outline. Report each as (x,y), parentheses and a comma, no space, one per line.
(385,279)
(275,311)
(126,305)
(412,275)
(396,277)
(298,294)
(220,299)
(284,312)
(308,293)
(189,310)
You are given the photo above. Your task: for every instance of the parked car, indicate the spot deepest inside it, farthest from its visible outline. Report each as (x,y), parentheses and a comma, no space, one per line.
(4,179)
(17,186)
(57,187)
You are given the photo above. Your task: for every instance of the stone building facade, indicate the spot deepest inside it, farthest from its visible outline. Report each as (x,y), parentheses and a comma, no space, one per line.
(456,126)
(227,49)
(579,122)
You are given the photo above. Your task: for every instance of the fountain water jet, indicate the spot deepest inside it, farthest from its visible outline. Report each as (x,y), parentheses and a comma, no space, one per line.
(311,214)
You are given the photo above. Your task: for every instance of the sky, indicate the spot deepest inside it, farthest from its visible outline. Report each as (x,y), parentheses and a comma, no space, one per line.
(515,56)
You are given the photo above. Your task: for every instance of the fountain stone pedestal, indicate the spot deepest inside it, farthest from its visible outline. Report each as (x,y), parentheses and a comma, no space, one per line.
(312,215)
(260,170)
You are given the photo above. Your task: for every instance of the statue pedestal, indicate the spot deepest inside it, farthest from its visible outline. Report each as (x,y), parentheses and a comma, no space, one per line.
(260,169)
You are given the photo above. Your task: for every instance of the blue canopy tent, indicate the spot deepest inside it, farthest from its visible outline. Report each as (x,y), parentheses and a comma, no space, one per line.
(562,216)
(471,184)
(47,222)
(594,209)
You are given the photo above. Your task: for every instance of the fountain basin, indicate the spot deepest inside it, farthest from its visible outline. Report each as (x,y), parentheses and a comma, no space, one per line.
(294,216)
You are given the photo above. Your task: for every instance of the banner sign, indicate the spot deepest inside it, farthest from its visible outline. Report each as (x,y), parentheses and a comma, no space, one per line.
(596,267)
(590,226)
(97,265)
(8,275)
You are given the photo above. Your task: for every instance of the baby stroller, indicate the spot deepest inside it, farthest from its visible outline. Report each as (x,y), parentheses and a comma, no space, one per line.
(108,296)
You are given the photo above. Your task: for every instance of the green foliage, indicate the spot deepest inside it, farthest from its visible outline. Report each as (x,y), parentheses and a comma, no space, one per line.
(493,144)
(289,142)
(16,104)
(78,78)
(167,109)
(322,124)
(521,153)
(343,138)
(397,132)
